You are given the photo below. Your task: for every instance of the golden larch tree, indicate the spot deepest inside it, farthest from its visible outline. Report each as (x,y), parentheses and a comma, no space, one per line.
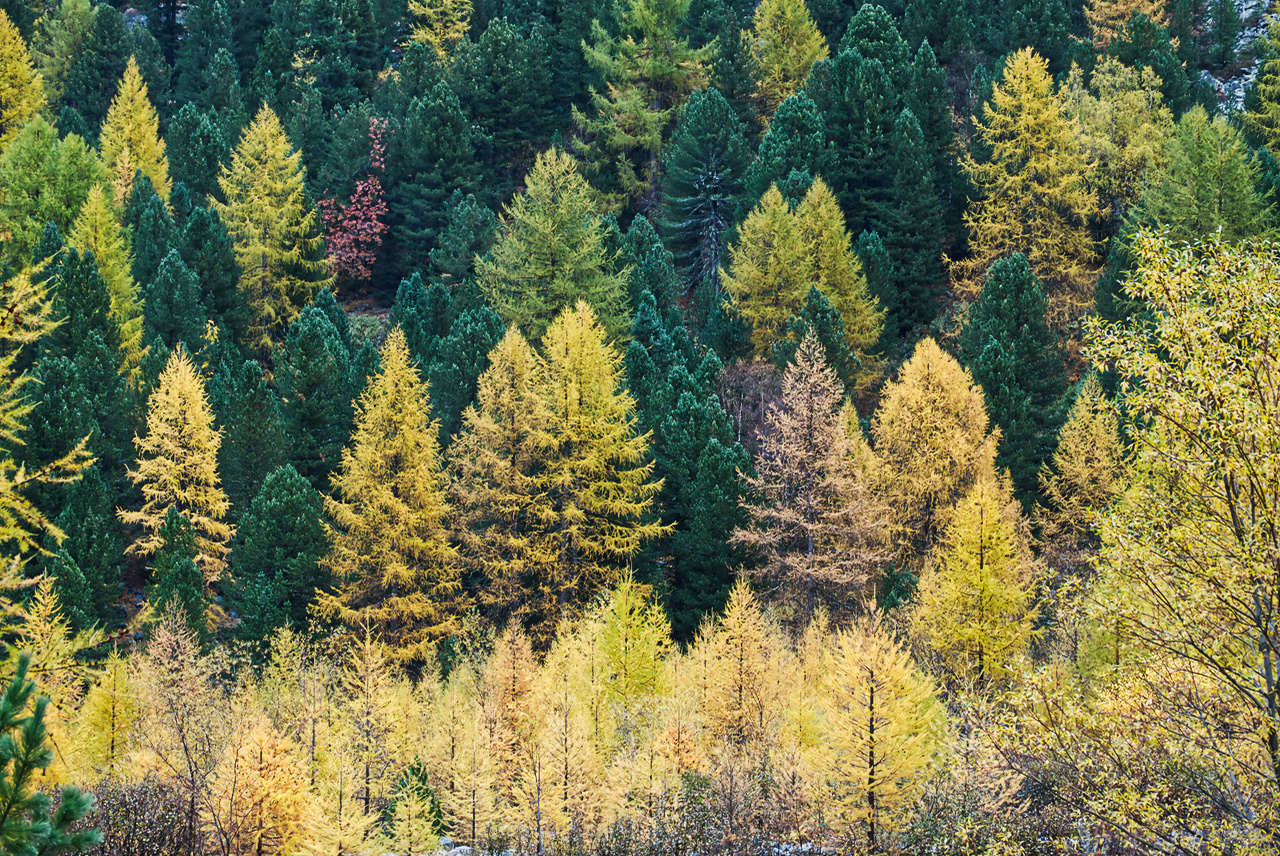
(932,440)
(21,89)
(131,137)
(974,604)
(278,240)
(785,43)
(390,550)
(1107,17)
(597,474)
(98,230)
(177,466)
(441,24)
(886,729)
(1034,195)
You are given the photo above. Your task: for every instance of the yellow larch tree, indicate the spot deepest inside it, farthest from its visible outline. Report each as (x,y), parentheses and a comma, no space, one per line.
(785,43)
(440,24)
(98,230)
(886,728)
(21,88)
(974,604)
(177,466)
(1034,195)
(596,474)
(932,440)
(106,720)
(131,135)
(1106,17)
(780,254)
(278,239)
(390,552)
(574,776)
(746,654)
(494,474)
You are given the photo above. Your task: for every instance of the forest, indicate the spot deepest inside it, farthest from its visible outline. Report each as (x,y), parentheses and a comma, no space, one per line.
(639,428)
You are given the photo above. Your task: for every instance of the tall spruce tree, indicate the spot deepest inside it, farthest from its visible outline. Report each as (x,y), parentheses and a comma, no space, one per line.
(176,581)
(253,434)
(1014,356)
(314,374)
(99,64)
(173,310)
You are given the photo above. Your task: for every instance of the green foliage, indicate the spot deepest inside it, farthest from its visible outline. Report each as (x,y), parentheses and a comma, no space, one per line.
(253,434)
(470,229)
(26,826)
(197,149)
(1015,357)
(796,140)
(821,318)
(315,377)
(172,306)
(176,581)
(276,557)
(98,66)
(703,167)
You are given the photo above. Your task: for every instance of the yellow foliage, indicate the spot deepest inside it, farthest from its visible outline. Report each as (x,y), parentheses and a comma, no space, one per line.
(21,90)
(131,133)
(441,24)
(98,230)
(785,43)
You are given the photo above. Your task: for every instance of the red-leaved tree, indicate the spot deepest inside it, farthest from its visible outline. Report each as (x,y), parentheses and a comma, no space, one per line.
(354,231)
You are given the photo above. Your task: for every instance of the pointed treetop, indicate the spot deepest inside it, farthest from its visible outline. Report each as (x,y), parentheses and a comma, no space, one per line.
(131,137)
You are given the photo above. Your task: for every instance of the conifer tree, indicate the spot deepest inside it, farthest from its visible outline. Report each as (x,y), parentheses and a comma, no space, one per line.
(785,44)
(208,30)
(795,142)
(43,180)
(58,37)
(595,474)
(92,543)
(277,234)
(209,251)
(470,229)
(1088,467)
(177,467)
(551,254)
(280,542)
(495,466)
(932,441)
(1014,356)
(974,604)
(97,231)
(912,223)
(813,518)
(176,582)
(779,254)
(97,67)
(703,166)
(130,138)
(440,24)
(316,381)
(740,694)
(21,92)
(253,438)
(174,313)
(1106,17)
(1211,184)
(886,730)
(1034,196)
(649,70)
(389,551)
(197,150)
(152,227)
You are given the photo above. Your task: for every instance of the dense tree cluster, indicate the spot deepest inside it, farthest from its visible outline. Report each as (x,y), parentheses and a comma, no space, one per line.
(578,427)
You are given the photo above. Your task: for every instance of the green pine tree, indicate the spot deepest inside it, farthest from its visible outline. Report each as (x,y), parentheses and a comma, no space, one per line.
(176,581)
(314,374)
(172,307)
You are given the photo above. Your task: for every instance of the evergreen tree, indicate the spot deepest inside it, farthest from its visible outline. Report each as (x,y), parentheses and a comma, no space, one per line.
(315,374)
(697,459)
(323,55)
(785,44)
(198,148)
(21,95)
(208,30)
(208,250)
(821,319)
(649,70)
(882,284)
(43,180)
(550,254)
(1034,197)
(1211,184)
(177,584)
(913,224)
(457,361)
(99,63)
(1014,356)
(80,296)
(277,233)
(469,232)
(395,569)
(703,167)
(278,548)
(432,155)
(813,518)
(151,225)
(254,443)
(173,310)
(58,38)
(177,468)
(93,544)
(796,141)
(131,138)
(1142,43)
